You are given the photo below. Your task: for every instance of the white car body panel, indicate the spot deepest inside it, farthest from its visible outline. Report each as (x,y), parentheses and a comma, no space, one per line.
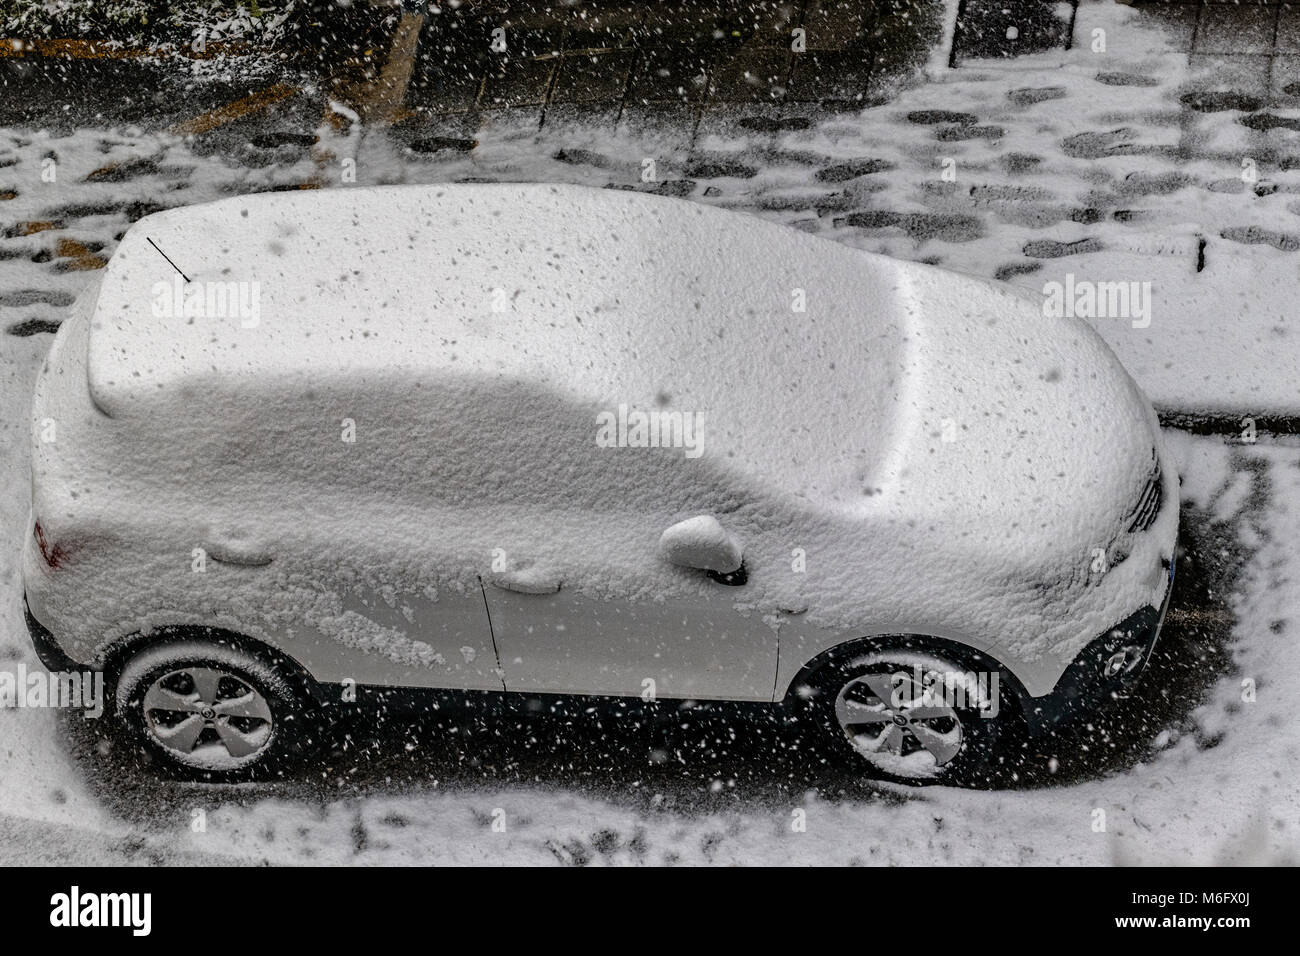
(694,647)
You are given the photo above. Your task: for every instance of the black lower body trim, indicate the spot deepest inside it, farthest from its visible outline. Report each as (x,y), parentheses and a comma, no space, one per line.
(1107,670)
(52,656)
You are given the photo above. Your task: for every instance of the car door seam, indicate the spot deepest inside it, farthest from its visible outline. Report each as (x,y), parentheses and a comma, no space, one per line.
(501,671)
(776,675)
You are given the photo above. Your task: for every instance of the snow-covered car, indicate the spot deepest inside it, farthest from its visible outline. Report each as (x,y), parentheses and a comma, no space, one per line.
(544,439)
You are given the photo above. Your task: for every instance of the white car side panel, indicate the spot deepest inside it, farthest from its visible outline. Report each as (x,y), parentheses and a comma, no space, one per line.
(678,648)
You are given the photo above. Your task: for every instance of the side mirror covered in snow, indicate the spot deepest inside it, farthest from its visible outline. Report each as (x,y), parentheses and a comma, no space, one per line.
(701,542)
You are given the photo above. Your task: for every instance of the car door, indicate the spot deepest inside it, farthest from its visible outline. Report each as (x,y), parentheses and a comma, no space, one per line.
(438,638)
(685,644)
(582,600)
(382,559)
(375,623)
(567,535)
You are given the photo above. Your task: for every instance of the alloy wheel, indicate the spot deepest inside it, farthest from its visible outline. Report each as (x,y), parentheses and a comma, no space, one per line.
(208,716)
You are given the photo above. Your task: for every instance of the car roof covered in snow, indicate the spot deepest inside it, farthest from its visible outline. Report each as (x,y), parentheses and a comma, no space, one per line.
(610,295)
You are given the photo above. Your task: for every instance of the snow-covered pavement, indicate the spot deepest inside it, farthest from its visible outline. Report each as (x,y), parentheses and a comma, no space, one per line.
(1126,164)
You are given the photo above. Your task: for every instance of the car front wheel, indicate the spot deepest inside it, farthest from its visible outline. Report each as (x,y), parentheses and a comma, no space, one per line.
(914,718)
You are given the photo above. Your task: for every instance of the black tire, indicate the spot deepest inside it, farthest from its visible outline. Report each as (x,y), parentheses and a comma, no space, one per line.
(970,747)
(278,731)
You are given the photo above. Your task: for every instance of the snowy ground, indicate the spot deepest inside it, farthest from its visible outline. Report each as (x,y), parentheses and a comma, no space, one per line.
(1056,171)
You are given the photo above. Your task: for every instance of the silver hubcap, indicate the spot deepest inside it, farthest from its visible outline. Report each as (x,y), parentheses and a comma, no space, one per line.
(881,715)
(208,716)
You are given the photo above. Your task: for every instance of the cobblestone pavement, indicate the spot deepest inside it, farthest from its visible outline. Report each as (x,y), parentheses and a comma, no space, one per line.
(1154,142)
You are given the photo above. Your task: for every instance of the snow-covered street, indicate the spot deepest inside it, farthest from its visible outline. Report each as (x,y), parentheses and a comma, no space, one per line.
(1132,161)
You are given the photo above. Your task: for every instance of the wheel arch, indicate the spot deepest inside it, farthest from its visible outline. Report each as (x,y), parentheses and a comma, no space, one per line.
(121,651)
(965,655)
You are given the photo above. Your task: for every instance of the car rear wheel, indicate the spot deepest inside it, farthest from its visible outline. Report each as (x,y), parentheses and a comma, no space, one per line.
(213,711)
(915,718)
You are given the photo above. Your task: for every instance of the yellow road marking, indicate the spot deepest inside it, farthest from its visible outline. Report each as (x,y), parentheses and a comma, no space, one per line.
(83,260)
(377,101)
(93,50)
(380,102)
(236,110)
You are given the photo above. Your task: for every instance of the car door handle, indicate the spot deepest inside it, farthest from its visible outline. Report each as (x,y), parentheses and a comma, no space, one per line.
(242,555)
(239,557)
(526,581)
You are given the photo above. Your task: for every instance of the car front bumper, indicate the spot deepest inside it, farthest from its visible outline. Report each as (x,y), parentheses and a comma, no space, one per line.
(1108,669)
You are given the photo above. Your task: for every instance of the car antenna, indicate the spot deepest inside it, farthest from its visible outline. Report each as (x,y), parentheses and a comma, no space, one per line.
(168,258)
